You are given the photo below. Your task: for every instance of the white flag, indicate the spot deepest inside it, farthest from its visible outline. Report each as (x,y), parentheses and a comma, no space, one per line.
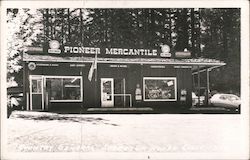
(92,68)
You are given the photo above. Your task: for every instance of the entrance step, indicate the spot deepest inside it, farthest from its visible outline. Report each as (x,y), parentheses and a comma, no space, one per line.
(132,109)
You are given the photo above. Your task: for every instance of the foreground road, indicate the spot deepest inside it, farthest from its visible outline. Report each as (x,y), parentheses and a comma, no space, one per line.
(50,132)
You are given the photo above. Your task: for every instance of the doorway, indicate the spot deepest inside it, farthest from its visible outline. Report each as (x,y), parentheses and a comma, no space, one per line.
(107,92)
(120,92)
(36,93)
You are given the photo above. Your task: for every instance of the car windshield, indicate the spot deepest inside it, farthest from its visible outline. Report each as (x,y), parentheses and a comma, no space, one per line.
(229,97)
(233,98)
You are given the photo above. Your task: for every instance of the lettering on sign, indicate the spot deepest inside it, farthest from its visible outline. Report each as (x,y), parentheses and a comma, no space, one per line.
(42,64)
(156,66)
(110,51)
(131,52)
(118,66)
(85,50)
(47,64)
(182,66)
(55,48)
(77,65)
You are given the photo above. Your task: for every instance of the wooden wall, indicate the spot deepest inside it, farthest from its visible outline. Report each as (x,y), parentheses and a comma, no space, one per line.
(133,75)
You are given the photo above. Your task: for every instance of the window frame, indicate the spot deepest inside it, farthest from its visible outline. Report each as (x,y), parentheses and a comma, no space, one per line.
(65,77)
(159,78)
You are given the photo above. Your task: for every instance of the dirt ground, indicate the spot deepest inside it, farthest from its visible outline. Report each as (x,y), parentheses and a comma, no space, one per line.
(161,133)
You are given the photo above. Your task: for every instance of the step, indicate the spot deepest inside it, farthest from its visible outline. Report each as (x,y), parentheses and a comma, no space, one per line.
(120,109)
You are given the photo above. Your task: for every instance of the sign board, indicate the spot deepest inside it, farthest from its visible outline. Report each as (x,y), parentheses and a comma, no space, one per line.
(34,49)
(165,51)
(110,51)
(185,54)
(54,47)
(32,66)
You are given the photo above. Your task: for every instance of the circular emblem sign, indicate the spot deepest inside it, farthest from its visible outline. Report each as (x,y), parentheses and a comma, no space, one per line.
(165,51)
(32,66)
(165,48)
(54,44)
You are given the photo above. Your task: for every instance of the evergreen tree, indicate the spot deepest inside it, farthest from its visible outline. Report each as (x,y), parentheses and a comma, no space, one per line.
(23,29)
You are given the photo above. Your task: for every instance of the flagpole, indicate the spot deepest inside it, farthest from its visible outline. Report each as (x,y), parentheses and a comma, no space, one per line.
(96,80)
(96,67)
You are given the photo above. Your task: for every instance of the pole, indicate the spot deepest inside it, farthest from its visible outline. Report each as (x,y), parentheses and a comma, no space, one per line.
(82,69)
(208,87)
(95,83)
(96,68)
(199,85)
(124,92)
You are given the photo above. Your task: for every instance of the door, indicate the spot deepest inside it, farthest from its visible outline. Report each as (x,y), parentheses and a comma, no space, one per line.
(36,93)
(107,92)
(119,91)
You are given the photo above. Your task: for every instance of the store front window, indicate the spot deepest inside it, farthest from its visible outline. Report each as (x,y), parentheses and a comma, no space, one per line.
(65,88)
(159,89)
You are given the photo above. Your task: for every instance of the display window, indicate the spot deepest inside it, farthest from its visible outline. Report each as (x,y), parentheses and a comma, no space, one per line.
(159,89)
(65,88)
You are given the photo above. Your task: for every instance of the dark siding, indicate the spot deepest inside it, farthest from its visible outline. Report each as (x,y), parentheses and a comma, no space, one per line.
(133,75)
(184,81)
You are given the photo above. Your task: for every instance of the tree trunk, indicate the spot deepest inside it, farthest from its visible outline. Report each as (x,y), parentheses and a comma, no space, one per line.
(224,35)
(68,20)
(193,33)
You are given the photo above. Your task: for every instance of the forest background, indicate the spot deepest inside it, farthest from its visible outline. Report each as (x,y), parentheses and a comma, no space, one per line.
(206,32)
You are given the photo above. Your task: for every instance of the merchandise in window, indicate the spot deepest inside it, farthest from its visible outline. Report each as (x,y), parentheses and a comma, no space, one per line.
(160,89)
(65,88)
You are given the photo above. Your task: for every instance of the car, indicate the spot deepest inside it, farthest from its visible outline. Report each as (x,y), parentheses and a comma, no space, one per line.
(227,101)
(14,99)
(195,99)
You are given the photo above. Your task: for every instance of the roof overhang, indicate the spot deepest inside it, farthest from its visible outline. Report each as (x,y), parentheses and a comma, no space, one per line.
(201,62)
(200,69)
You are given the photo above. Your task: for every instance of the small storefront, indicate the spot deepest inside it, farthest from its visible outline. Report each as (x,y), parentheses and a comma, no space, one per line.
(108,77)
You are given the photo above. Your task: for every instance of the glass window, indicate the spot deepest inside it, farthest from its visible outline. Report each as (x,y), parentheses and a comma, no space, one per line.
(65,88)
(160,89)
(36,86)
(39,86)
(55,88)
(71,89)
(107,90)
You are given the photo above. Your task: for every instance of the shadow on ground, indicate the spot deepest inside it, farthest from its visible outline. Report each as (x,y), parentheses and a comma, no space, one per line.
(63,118)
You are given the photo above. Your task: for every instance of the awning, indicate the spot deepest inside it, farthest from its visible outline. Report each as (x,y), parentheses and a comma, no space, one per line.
(202,62)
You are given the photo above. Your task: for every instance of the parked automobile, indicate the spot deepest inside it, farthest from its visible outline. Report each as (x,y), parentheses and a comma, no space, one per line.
(228,101)
(14,99)
(195,99)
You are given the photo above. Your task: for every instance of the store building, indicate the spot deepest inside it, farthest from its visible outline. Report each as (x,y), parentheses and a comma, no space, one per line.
(92,77)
